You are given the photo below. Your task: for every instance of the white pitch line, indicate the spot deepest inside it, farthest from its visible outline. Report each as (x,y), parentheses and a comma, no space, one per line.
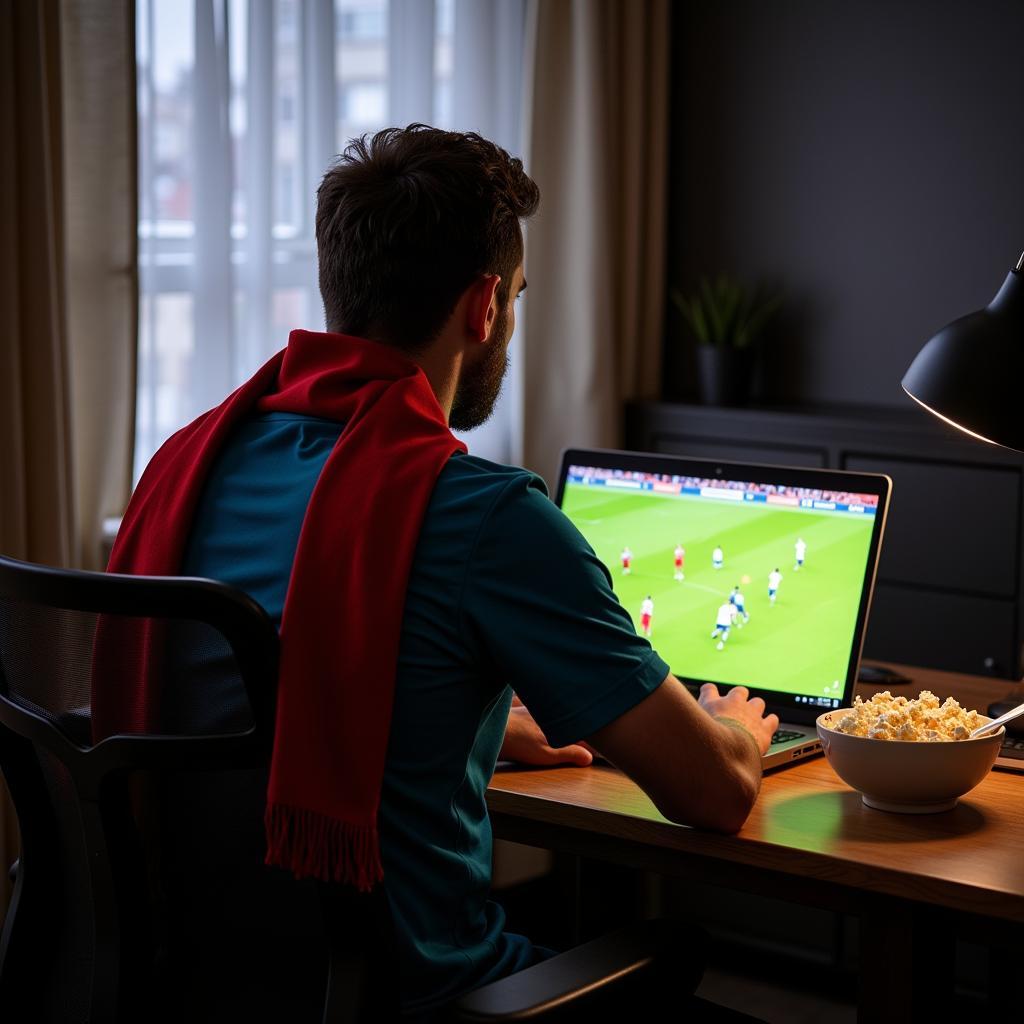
(700,586)
(685,583)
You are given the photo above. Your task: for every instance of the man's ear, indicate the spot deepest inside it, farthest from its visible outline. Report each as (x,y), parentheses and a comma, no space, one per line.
(482,308)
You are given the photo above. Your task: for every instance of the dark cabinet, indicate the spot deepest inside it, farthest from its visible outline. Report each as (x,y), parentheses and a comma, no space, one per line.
(949,591)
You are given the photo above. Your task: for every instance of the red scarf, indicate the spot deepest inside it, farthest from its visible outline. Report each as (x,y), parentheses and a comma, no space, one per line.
(343,609)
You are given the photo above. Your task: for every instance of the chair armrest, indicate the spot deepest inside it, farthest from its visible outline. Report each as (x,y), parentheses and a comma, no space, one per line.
(650,953)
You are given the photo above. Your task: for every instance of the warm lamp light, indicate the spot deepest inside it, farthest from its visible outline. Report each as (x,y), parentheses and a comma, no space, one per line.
(971,374)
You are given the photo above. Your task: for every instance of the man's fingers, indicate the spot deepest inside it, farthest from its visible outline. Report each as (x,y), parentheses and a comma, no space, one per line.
(572,754)
(709,691)
(739,692)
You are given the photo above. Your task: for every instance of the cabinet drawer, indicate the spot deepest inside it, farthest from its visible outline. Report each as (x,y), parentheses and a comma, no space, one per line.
(738,451)
(948,631)
(950,526)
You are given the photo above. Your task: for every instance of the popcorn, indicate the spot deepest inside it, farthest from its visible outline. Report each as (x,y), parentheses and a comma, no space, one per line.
(922,719)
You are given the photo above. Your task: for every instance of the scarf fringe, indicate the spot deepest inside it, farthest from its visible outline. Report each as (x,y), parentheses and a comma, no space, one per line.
(311,845)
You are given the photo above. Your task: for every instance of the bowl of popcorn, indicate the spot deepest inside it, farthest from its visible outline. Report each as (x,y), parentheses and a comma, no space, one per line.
(915,756)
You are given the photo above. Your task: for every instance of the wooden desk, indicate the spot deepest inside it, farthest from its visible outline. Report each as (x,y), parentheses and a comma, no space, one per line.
(912,879)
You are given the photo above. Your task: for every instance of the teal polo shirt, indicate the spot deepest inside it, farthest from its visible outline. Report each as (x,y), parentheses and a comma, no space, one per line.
(505,595)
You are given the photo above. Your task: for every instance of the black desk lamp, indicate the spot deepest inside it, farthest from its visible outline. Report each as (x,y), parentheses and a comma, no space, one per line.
(971,374)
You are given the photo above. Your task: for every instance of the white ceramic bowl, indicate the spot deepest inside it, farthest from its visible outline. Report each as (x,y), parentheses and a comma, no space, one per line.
(908,776)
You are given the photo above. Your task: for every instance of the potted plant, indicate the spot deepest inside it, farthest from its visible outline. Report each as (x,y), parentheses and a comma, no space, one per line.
(727,320)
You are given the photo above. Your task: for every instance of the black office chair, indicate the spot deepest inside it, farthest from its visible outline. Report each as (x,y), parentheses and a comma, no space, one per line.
(140,894)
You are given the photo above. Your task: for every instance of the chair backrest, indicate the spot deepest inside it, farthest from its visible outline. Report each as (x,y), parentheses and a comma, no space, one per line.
(84,938)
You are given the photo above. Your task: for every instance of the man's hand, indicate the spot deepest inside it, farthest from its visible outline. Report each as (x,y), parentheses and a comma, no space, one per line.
(526,743)
(739,708)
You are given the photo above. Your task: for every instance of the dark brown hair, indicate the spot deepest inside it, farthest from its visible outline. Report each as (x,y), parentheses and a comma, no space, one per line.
(406,220)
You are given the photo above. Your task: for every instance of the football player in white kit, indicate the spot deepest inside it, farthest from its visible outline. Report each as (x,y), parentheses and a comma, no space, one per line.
(801,550)
(723,623)
(774,578)
(738,601)
(717,557)
(646,615)
(627,558)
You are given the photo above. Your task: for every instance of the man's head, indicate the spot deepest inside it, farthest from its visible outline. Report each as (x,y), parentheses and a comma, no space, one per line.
(407,220)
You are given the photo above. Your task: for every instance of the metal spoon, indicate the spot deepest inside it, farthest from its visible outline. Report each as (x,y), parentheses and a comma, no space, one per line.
(996,722)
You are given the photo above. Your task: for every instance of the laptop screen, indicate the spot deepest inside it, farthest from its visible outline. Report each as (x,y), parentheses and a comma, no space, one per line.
(735,581)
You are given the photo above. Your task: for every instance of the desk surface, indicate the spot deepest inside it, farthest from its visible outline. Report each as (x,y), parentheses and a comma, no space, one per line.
(807,825)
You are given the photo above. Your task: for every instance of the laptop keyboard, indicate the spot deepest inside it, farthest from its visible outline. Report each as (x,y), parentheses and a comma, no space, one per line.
(1013,746)
(785,735)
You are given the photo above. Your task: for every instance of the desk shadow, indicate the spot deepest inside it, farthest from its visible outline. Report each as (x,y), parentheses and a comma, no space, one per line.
(843,815)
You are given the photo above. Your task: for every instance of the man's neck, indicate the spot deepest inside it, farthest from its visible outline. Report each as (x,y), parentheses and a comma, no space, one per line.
(442,363)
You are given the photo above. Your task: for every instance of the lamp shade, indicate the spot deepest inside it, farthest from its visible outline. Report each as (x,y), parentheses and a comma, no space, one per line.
(971,374)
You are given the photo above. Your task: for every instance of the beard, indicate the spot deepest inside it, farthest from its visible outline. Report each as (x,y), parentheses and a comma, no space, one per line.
(478,389)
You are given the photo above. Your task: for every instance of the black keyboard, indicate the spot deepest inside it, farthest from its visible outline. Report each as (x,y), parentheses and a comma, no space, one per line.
(785,735)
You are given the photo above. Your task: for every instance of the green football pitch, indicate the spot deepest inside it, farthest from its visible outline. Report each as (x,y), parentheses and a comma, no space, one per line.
(800,644)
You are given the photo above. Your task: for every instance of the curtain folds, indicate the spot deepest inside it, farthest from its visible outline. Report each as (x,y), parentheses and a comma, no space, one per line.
(270,94)
(597,132)
(36,515)
(35,510)
(67,308)
(101,216)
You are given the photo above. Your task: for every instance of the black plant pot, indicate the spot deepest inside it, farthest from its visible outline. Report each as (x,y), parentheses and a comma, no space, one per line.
(723,375)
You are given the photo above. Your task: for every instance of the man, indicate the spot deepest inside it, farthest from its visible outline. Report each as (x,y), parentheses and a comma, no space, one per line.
(627,560)
(774,579)
(717,557)
(723,623)
(646,615)
(800,549)
(330,488)
(679,555)
(738,601)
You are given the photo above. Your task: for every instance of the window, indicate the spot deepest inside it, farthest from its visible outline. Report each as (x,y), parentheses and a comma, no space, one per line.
(363,103)
(362,22)
(242,105)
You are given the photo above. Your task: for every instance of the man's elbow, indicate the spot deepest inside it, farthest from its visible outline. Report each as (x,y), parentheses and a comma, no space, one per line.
(723,807)
(734,807)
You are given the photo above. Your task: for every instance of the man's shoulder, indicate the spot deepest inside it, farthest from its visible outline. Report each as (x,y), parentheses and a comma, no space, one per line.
(488,516)
(499,509)
(469,476)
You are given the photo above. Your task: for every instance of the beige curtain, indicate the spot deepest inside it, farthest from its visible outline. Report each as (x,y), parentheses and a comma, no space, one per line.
(36,512)
(67,306)
(597,144)
(101,243)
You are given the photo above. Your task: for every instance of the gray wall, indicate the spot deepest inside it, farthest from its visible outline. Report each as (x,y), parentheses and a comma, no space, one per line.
(867,157)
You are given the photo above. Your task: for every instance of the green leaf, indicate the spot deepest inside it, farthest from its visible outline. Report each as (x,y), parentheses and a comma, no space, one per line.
(712,312)
(724,313)
(699,322)
(730,295)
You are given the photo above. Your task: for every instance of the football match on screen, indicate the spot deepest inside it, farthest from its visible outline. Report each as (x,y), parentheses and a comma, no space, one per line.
(731,581)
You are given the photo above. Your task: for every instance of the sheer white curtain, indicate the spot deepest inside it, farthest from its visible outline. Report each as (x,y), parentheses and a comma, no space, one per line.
(242,106)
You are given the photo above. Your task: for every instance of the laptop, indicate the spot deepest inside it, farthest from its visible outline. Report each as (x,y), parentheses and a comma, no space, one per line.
(740,574)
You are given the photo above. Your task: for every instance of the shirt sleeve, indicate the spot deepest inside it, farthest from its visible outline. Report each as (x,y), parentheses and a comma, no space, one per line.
(539,609)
